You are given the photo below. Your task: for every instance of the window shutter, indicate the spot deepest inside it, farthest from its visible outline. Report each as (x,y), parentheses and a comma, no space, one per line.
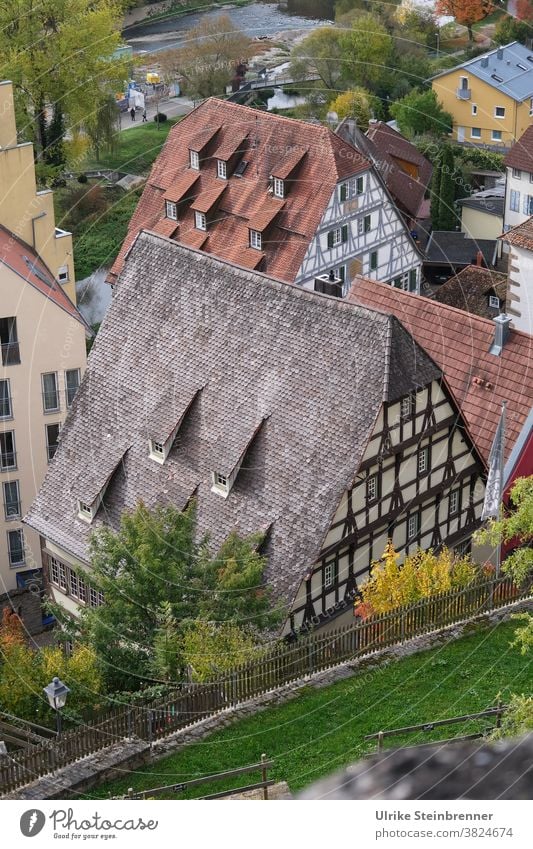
(343,192)
(330,239)
(344,232)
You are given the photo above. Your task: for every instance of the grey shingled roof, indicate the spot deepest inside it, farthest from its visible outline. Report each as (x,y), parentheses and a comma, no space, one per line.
(313,370)
(508,69)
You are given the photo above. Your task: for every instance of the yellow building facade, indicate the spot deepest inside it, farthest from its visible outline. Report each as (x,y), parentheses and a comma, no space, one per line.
(490,98)
(42,345)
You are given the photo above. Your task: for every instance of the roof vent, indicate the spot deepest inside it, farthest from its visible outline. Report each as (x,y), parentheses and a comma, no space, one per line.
(328,284)
(497,78)
(530,58)
(499,53)
(522,67)
(502,329)
(241,168)
(485,62)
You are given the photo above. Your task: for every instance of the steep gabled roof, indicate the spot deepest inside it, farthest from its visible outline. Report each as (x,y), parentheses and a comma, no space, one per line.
(274,145)
(459,343)
(521,154)
(520,236)
(470,290)
(293,379)
(26,263)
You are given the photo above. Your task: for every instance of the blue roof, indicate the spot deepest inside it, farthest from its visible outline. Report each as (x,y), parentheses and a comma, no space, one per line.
(508,68)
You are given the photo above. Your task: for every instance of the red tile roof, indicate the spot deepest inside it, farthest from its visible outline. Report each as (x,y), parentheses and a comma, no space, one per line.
(166,227)
(206,201)
(265,216)
(459,343)
(521,154)
(181,186)
(408,190)
(521,236)
(22,259)
(273,143)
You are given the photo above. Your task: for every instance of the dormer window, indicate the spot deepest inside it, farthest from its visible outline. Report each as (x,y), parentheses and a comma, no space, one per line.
(194,159)
(221,484)
(171,210)
(406,407)
(279,188)
(86,511)
(222,170)
(157,451)
(494,302)
(62,274)
(255,240)
(200,220)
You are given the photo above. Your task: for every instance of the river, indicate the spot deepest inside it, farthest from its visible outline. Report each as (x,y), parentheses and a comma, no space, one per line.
(257,19)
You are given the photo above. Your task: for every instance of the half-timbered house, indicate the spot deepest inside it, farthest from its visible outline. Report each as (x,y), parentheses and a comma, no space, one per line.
(319,422)
(285,197)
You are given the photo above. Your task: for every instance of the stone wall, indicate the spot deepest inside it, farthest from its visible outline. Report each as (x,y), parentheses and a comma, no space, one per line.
(104,766)
(27,605)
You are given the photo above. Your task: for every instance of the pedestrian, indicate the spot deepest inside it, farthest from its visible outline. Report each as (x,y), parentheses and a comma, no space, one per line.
(132,113)
(145,119)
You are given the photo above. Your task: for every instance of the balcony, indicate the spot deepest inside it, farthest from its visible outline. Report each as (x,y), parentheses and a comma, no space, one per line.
(10,354)
(463,93)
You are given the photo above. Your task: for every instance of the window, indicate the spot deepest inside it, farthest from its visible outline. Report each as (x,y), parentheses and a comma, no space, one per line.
(6,411)
(222,170)
(279,188)
(52,439)
(364,225)
(514,202)
(423,461)
(475,133)
(171,210)
(412,526)
(157,451)
(496,135)
(329,574)
(454,502)
(50,392)
(406,407)
(337,236)
(62,274)
(499,111)
(256,239)
(8,455)
(12,507)
(527,205)
(352,188)
(15,547)
(221,484)
(200,220)
(531,178)
(517,174)
(372,488)
(85,511)
(73,583)
(530,106)
(9,342)
(72,383)
(494,302)
(96,598)
(474,109)
(194,160)
(373,260)
(464,83)
(412,280)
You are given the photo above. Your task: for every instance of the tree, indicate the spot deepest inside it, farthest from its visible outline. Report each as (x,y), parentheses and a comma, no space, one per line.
(509,29)
(207,61)
(422,574)
(420,112)
(54,153)
(368,50)
(156,579)
(320,53)
(210,649)
(515,526)
(524,10)
(447,213)
(58,52)
(356,103)
(466,12)
(101,126)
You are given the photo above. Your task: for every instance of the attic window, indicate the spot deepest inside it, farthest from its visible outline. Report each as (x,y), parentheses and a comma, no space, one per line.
(241,168)
(352,188)
(497,78)
(222,170)
(86,511)
(157,451)
(171,210)
(221,484)
(62,274)
(522,67)
(406,407)
(194,160)
(494,302)
(200,220)
(256,240)
(279,188)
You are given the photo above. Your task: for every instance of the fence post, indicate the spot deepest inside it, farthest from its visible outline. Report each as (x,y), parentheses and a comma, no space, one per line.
(130,735)
(150,727)
(499,714)
(310,655)
(264,776)
(129,794)
(380,741)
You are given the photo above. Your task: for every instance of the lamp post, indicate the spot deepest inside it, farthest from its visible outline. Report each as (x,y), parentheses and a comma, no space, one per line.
(56,692)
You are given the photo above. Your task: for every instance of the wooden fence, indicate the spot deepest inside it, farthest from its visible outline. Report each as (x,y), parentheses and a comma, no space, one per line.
(263,785)
(427,727)
(155,719)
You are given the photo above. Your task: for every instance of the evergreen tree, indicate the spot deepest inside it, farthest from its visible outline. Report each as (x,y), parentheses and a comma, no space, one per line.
(435,191)
(447,214)
(54,153)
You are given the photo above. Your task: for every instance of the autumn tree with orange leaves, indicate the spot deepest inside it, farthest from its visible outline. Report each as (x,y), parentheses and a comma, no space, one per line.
(465,12)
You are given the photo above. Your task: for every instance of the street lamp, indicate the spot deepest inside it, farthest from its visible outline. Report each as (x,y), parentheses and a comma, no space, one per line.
(56,692)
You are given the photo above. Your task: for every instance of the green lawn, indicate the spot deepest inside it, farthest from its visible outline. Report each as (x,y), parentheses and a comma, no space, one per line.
(137,148)
(322,730)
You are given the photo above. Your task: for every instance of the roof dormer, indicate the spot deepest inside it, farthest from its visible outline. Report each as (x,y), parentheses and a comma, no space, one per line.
(284,171)
(199,145)
(229,153)
(229,457)
(91,486)
(166,420)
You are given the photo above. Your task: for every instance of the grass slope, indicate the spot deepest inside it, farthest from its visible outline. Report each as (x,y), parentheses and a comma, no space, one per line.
(97,241)
(323,729)
(136,149)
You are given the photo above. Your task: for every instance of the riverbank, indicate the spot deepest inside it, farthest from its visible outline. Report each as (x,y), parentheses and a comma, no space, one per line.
(152,12)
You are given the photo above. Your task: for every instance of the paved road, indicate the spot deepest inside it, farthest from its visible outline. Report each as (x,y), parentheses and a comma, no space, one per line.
(172,107)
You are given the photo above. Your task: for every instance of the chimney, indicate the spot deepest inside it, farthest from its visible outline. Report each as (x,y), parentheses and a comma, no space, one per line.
(502,328)
(479,259)
(499,54)
(328,284)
